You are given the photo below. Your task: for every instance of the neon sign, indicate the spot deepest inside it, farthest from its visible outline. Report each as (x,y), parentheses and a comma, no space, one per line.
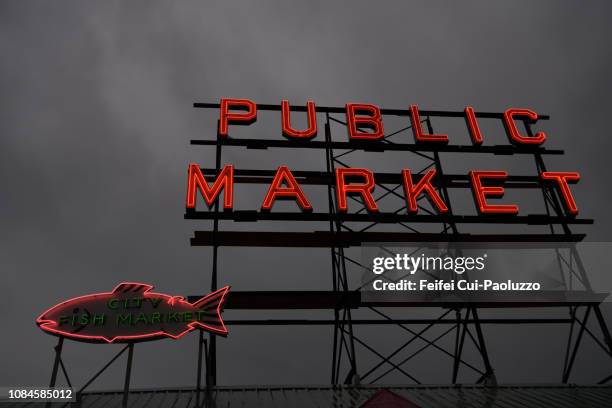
(365,124)
(132,312)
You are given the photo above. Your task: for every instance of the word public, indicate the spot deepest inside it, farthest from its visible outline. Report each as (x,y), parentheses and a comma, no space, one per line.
(364,122)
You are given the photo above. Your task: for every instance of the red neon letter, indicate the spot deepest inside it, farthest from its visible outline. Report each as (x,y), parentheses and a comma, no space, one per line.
(417,129)
(373,121)
(473,127)
(289,132)
(364,189)
(481,192)
(513,132)
(563,178)
(240,118)
(293,190)
(424,185)
(225,180)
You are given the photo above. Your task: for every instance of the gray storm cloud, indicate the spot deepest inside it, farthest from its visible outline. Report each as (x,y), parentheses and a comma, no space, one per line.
(96,118)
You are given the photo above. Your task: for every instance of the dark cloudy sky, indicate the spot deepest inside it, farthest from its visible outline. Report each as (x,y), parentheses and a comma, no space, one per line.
(96,118)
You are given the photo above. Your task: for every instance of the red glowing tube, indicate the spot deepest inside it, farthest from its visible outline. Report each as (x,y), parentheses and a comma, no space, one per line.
(417,129)
(482,192)
(473,127)
(248,116)
(373,121)
(423,186)
(293,190)
(513,133)
(196,180)
(56,320)
(290,132)
(563,178)
(364,189)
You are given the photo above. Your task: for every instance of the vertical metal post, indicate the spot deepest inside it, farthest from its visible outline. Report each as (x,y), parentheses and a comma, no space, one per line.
(489,376)
(199,375)
(212,366)
(340,272)
(440,174)
(604,328)
(328,158)
(128,373)
(208,393)
(453,225)
(570,364)
(459,341)
(56,363)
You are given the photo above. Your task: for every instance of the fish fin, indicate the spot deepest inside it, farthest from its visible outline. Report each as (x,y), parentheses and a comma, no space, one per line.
(132,287)
(177,331)
(172,300)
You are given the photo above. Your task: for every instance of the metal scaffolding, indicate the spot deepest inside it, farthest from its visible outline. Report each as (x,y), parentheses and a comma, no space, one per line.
(347,230)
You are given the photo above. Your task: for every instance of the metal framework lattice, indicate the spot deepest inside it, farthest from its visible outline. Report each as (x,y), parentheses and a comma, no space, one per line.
(354,228)
(346,230)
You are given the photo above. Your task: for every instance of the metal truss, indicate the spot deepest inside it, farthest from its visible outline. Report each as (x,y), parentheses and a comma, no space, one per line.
(59,363)
(461,322)
(449,226)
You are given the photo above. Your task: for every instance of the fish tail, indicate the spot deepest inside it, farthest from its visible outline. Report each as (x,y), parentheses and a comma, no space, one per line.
(211,306)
